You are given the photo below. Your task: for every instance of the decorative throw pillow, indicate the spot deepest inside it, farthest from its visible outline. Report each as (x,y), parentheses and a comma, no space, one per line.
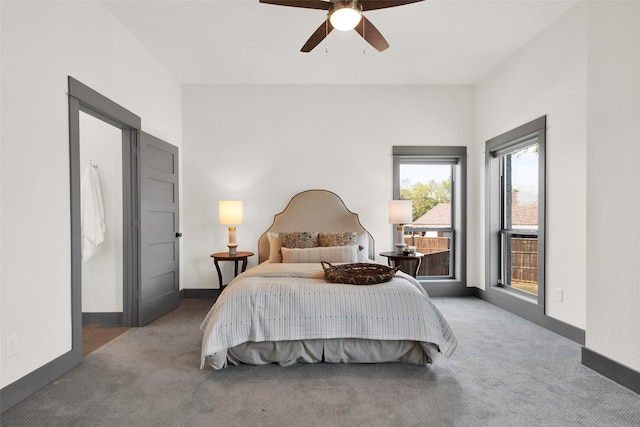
(274,247)
(338,239)
(299,239)
(332,254)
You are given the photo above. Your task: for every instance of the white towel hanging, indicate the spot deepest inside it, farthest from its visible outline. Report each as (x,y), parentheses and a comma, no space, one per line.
(91,212)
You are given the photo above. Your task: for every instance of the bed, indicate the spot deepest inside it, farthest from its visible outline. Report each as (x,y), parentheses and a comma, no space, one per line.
(284,311)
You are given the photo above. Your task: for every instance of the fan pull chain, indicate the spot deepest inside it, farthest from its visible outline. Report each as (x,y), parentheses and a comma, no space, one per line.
(364,44)
(326,34)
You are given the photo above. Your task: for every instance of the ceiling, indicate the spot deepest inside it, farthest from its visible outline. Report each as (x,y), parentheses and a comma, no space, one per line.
(246,42)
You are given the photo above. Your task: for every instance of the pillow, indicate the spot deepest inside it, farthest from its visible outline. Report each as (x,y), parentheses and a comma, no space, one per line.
(363,246)
(348,238)
(299,239)
(274,247)
(336,254)
(338,239)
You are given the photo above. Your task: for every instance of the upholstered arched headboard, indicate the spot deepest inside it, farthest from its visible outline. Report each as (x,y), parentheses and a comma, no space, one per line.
(314,210)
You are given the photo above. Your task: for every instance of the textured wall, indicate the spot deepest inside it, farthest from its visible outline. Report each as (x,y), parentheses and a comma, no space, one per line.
(613,242)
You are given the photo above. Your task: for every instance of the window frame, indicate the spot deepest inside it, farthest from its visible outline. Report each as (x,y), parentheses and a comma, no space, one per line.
(457,157)
(523,136)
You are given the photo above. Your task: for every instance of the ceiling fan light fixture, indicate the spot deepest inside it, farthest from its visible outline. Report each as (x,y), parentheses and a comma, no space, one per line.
(345,15)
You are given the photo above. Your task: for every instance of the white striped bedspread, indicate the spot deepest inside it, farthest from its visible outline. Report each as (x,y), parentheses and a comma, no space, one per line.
(281,302)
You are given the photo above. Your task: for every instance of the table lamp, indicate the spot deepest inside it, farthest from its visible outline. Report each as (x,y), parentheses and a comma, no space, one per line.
(230,213)
(400,213)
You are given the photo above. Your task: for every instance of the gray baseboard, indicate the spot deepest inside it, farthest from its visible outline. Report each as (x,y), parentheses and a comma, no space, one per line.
(24,387)
(107,319)
(200,293)
(532,313)
(19,390)
(444,289)
(611,369)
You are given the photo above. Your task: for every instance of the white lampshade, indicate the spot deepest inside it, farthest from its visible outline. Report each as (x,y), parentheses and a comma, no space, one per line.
(400,211)
(345,15)
(230,212)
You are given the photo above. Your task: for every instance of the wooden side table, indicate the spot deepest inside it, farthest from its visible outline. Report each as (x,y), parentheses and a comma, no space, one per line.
(224,256)
(409,264)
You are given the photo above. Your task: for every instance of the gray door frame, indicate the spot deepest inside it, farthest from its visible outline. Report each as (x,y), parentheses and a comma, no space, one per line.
(83,98)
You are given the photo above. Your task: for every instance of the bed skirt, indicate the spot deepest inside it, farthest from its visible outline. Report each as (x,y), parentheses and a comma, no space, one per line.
(345,350)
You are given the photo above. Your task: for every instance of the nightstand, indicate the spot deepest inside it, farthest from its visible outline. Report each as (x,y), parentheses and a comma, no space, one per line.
(408,263)
(224,256)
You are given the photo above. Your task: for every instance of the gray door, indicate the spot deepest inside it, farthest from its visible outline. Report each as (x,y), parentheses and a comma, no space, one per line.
(159,234)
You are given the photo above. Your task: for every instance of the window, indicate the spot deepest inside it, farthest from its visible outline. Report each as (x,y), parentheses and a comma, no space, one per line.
(428,186)
(515,190)
(433,178)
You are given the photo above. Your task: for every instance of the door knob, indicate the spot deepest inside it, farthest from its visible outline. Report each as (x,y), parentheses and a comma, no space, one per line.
(178,234)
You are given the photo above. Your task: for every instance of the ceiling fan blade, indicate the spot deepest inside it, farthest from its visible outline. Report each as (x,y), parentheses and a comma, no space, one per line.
(315,39)
(383,4)
(371,34)
(307,4)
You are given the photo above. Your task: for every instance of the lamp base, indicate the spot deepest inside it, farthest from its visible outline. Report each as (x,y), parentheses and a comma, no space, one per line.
(232,249)
(400,248)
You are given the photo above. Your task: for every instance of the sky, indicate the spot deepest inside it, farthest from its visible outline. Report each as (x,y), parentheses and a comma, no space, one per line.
(525,172)
(424,173)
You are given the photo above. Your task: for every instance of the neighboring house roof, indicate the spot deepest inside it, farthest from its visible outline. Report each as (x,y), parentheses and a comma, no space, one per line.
(523,214)
(438,216)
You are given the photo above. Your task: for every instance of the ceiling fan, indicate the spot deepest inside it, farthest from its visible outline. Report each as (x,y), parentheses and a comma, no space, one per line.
(344,15)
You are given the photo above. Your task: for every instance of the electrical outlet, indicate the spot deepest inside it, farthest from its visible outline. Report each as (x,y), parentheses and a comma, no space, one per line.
(12,345)
(559,294)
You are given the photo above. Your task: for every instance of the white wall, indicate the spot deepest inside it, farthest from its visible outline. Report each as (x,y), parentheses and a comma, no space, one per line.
(263,144)
(548,76)
(43,43)
(102,275)
(613,203)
